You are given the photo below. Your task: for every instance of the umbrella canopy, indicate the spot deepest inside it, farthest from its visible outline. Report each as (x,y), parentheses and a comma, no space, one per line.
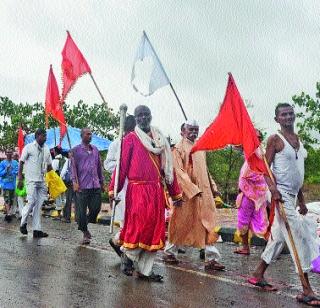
(53,139)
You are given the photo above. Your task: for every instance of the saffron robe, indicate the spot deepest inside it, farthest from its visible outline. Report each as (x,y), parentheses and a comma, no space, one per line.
(144,222)
(193,223)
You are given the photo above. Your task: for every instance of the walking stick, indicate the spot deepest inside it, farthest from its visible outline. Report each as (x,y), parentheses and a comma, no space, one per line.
(291,240)
(123,111)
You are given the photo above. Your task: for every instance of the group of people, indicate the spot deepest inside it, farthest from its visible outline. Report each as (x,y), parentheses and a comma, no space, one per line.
(154,178)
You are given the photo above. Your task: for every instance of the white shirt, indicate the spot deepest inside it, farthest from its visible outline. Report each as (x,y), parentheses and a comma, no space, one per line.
(64,169)
(36,160)
(111,159)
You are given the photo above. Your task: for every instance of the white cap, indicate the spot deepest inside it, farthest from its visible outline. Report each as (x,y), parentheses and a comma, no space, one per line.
(192,122)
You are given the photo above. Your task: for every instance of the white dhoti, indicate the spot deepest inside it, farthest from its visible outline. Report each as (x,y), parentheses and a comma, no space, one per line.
(303,231)
(36,194)
(142,260)
(212,253)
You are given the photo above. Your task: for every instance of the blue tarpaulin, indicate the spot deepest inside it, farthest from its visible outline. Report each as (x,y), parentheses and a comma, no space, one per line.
(75,138)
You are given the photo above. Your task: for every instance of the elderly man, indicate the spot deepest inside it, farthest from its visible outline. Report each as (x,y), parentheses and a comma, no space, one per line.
(286,154)
(146,162)
(37,160)
(109,165)
(8,173)
(193,223)
(88,182)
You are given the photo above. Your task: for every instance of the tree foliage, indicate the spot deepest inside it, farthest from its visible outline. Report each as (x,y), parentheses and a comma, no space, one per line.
(308,116)
(99,118)
(224,166)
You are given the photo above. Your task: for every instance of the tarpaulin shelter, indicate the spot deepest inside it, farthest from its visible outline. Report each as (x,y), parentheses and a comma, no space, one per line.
(53,139)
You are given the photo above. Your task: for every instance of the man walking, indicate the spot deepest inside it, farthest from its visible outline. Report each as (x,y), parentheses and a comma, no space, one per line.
(37,160)
(8,173)
(109,165)
(193,223)
(70,195)
(87,181)
(286,154)
(146,161)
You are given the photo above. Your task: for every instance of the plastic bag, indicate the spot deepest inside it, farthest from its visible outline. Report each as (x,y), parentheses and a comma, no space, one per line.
(55,184)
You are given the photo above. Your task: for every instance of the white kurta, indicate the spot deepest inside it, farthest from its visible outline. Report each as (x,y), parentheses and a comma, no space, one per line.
(109,165)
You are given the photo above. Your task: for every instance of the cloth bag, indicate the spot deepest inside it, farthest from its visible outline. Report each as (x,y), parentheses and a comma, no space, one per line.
(55,184)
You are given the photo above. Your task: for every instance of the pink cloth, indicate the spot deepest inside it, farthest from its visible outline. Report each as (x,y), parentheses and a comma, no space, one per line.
(251,219)
(252,202)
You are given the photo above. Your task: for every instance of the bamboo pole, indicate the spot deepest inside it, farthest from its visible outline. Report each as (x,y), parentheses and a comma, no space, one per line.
(100,93)
(291,240)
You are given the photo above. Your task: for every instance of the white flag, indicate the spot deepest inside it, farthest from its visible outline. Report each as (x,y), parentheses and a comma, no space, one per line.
(158,77)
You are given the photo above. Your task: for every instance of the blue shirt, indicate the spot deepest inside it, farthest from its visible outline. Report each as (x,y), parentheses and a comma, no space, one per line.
(8,173)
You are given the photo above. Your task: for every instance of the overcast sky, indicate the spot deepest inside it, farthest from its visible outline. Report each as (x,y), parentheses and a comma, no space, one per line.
(271,47)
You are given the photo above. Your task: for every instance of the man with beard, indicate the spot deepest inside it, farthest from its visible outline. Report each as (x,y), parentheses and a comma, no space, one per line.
(193,223)
(146,161)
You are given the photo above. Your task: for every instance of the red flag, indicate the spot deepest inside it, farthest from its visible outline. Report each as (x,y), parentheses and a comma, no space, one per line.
(232,126)
(74,65)
(20,141)
(52,104)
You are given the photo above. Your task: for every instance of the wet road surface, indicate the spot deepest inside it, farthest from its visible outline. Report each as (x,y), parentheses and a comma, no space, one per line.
(58,272)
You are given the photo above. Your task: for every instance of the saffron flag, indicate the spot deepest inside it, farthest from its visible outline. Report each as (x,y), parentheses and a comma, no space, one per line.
(158,77)
(20,141)
(73,65)
(233,126)
(53,106)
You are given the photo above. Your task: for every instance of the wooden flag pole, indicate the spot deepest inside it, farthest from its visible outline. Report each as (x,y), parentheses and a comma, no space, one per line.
(175,94)
(291,240)
(104,101)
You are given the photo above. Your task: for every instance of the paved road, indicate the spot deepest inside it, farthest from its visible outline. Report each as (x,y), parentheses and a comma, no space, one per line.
(57,272)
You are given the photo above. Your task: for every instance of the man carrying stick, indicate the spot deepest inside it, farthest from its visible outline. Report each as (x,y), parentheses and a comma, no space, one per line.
(286,154)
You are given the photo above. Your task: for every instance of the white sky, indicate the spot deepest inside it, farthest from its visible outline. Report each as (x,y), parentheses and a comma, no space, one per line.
(271,47)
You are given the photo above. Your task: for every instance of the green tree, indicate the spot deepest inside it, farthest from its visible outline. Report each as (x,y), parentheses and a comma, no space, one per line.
(308,116)
(224,166)
(101,119)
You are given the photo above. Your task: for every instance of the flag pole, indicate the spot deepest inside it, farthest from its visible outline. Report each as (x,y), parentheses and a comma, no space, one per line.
(175,94)
(104,101)
(171,86)
(285,220)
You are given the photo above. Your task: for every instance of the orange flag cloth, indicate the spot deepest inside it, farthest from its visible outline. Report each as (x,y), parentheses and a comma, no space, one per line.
(232,126)
(73,65)
(52,104)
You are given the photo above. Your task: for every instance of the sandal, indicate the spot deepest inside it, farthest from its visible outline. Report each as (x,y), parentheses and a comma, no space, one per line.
(126,265)
(85,241)
(170,259)
(242,251)
(308,299)
(116,248)
(263,284)
(152,278)
(214,265)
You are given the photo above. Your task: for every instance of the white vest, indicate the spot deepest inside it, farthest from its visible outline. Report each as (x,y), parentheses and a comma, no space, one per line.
(288,167)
